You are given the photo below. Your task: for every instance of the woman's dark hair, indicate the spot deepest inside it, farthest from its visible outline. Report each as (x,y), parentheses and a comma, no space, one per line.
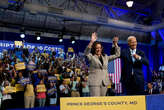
(93,49)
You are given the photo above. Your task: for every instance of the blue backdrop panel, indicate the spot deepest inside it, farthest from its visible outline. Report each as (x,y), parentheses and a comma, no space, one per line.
(155,102)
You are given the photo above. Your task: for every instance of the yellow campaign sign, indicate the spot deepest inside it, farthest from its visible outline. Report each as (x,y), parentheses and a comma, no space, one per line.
(58,76)
(41,88)
(68,70)
(104,103)
(20,66)
(67,80)
(77,71)
(9,89)
(78,79)
(18,43)
(45,55)
(34,72)
(19,87)
(109,86)
(70,49)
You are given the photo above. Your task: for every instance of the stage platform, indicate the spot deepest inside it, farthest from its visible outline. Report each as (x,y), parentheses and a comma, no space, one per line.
(149,102)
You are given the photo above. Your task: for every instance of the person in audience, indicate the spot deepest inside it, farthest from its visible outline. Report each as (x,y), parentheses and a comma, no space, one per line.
(98,73)
(6,97)
(74,85)
(132,60)
(151,90)
(64,89)
(85,87)
(41,95)
(162,92)
(29,96)
(0,94)
(20,94)
(52,93)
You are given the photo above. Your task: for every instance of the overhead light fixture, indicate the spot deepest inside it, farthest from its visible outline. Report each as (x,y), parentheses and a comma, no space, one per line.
(60,38)
(129,3)
(73,40)
(22,35)
(38,38)
(22,31)
(37,34)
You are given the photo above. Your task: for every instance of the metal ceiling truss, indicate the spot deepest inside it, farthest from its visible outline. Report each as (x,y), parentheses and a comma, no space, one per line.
(56,14)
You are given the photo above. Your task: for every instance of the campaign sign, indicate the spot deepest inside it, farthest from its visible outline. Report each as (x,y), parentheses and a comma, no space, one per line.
(41,88)
(20,66)
(51,91)
(19,87)
(9,89)
(52,78)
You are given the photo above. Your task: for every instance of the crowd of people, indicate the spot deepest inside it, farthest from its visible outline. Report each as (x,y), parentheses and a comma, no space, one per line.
(39,79)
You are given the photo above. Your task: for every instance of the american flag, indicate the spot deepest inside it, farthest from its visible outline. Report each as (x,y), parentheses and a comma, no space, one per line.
(114,69)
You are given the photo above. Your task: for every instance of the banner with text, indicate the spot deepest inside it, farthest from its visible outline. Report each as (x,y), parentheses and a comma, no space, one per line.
(104,103)
(31,46)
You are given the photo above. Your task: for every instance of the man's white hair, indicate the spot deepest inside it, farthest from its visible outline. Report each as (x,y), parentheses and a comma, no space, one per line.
(130,37)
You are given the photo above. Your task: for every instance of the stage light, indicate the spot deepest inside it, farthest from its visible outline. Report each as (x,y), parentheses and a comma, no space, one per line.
(38,37)
(37,34)
(129,3)
(22,31)
(60,38)
(73,40)
(22,35)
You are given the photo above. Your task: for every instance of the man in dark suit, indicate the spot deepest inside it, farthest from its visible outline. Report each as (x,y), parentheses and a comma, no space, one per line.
(150,90)
(132,60)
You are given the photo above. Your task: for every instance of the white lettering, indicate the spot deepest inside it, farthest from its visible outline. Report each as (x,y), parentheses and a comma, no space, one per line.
(1,44)
(7,44)
(28,46)
(12,45)
(32,47)
(40,47)
(45,48)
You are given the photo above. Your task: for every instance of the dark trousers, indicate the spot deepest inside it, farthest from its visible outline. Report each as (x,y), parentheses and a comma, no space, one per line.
(134,88)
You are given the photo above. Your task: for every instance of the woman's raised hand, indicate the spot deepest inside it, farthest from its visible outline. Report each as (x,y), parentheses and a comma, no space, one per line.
(94,37)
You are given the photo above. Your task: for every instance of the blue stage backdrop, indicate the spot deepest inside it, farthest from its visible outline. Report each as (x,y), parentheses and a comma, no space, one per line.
(154,53)
(154,102)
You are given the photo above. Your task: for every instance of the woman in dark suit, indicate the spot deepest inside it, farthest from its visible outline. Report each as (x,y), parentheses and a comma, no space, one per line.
(98,70)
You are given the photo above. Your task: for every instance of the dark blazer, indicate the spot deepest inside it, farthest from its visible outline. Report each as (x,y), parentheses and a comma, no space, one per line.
(154,91)
(127,65)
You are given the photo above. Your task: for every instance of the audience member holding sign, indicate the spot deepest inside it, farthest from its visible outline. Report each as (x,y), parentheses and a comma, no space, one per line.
(6,97)
(52,93)
(41,93)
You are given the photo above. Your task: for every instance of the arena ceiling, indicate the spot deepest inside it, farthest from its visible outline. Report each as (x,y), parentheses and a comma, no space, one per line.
(82,17)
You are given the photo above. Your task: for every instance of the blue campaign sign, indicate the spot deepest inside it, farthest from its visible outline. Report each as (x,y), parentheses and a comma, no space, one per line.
(155,102)
(5,45)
